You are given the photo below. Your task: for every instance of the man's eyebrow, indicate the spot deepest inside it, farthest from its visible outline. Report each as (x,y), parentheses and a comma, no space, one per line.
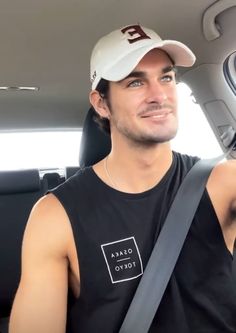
(136,74)
(171,68)
(141,74)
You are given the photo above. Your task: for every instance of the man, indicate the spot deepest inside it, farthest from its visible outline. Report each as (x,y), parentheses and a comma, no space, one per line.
(95,233)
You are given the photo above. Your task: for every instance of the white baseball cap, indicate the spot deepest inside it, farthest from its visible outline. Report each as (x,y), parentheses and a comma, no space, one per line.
(118,53)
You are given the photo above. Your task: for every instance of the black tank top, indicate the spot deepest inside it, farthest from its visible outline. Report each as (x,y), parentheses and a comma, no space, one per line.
(115,233)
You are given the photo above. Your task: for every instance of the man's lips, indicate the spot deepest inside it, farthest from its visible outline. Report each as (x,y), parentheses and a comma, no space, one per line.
(157,114)
(156,111)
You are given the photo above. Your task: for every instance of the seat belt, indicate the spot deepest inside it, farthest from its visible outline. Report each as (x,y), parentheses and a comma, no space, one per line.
(168,246)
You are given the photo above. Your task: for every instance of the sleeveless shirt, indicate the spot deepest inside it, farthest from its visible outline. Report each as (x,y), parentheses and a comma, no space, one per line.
(115,232)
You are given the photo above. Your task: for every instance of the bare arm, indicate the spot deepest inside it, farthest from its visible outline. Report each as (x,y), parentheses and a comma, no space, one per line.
(222,189)
(41,300)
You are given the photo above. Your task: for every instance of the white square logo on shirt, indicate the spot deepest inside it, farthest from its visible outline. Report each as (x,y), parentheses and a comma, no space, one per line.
(123,260)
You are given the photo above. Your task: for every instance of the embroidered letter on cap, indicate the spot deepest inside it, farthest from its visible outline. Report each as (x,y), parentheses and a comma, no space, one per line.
(135,30)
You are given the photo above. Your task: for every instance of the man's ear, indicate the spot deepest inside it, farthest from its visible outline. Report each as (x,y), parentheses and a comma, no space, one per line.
(99,104)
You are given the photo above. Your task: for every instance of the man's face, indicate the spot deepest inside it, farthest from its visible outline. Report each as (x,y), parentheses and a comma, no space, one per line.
(143,106)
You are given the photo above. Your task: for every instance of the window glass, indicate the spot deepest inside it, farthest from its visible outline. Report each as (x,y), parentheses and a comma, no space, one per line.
(39,149)
(195,136)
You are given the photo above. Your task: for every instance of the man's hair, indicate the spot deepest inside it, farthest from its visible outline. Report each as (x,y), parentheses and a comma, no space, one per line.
(103,90)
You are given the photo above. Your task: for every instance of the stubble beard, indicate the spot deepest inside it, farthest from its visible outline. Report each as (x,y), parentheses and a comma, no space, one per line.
(144,139)
(147,140)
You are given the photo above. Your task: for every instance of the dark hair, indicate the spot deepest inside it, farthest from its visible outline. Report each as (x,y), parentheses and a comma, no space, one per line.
(103,90)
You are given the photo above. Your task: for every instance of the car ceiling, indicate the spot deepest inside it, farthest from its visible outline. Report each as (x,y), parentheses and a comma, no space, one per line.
(47,44)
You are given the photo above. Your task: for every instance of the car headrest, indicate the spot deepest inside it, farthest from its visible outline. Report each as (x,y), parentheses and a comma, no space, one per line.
(19,181)
(95,144)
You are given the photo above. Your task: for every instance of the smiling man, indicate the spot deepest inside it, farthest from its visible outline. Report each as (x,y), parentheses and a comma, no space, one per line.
(94,234)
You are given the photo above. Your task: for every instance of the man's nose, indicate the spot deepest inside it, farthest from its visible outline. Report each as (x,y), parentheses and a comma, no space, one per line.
(156,93)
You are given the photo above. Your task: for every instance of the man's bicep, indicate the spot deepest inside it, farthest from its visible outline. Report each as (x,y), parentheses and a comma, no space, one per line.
(41,300)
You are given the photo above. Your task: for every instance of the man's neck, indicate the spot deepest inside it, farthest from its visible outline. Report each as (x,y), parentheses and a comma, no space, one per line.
(135,170)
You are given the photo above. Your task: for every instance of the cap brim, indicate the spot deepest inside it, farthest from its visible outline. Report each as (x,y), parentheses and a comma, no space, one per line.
(178,52)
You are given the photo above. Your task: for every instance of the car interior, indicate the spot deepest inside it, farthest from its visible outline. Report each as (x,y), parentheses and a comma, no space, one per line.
(44,86)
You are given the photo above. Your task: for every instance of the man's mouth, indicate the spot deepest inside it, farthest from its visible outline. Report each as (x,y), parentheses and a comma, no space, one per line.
(156,111)
(159,114)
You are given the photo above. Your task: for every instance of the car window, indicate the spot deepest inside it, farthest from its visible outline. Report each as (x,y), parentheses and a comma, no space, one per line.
(54,149)
(195,136)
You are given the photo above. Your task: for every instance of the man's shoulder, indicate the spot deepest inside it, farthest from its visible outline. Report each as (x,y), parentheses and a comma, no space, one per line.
(81,176)
(47,228)
(222,183)
(184,161)
(225,172)
(75,182)
(48,210)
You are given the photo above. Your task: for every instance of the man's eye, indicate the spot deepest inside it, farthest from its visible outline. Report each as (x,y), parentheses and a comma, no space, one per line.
(135,83)
(167,78)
